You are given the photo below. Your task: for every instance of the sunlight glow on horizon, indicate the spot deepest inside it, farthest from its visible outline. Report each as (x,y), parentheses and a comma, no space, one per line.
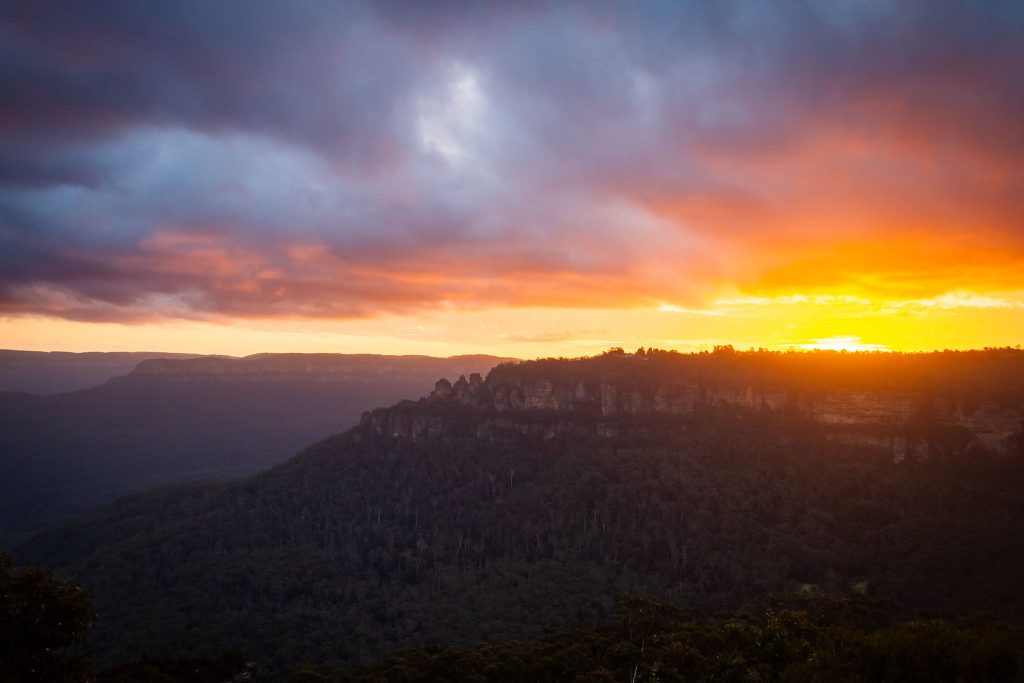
(957,320)
(518,181)
(841,343)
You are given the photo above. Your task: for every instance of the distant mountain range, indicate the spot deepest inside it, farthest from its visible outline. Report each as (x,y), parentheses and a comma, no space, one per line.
(180,419)
(535,497)
(55,372)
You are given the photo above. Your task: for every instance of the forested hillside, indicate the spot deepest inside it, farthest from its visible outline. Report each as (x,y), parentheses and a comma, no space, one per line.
(365,543)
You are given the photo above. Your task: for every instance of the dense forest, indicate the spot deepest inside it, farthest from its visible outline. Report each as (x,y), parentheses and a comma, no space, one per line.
(796,639)
(364,544)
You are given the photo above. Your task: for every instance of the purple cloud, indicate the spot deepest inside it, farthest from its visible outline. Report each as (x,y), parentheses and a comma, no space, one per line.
(207,159)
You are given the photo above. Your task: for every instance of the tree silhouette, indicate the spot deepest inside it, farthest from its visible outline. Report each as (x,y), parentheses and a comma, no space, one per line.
(40,617)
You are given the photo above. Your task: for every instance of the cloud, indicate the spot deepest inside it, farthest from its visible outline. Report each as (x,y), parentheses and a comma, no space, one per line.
(954,300)
(556,336)
(341,160)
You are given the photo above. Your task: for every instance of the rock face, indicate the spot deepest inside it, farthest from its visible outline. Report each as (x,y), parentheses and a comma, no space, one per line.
(401,424)
(861,407)
(749,396)
(992,426)
(513,402)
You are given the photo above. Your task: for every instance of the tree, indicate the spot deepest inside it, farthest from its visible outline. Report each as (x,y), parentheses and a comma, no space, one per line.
(40,616)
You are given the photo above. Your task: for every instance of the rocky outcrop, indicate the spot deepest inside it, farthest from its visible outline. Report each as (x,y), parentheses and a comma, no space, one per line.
(398,423)
(520,403)
(993,427)
(861,408)
(757,397)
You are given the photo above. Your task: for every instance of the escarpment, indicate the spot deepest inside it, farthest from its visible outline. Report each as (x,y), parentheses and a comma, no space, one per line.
(630,395)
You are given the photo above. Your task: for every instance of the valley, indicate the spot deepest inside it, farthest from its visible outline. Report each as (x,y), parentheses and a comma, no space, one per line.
(392,533)
(174,420)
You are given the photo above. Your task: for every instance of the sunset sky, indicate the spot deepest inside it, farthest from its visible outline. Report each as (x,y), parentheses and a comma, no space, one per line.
(512,178)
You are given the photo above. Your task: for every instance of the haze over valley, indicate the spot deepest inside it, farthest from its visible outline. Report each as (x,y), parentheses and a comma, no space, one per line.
(172,420)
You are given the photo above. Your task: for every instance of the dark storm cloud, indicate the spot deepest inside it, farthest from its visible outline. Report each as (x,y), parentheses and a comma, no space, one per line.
(319,74)
(327,159)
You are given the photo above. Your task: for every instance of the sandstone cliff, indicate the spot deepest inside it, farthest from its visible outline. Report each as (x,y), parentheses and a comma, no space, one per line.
(550,398)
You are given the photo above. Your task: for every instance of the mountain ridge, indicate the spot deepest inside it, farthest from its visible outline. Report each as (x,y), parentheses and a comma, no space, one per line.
(930,418)
(56,372)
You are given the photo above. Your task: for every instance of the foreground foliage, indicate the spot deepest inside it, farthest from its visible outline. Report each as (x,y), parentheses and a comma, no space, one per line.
(41,619)
(795,640)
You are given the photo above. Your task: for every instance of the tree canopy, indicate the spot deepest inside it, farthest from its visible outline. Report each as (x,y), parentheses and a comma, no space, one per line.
(42,618)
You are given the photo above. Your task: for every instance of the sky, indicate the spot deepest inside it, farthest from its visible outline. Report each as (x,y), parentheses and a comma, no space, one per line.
(524,179)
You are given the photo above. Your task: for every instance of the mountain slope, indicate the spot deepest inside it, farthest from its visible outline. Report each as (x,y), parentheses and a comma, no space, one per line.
(179,420)
(368,541)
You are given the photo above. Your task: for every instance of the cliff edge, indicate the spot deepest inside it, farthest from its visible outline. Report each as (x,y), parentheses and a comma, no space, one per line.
(894,403)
